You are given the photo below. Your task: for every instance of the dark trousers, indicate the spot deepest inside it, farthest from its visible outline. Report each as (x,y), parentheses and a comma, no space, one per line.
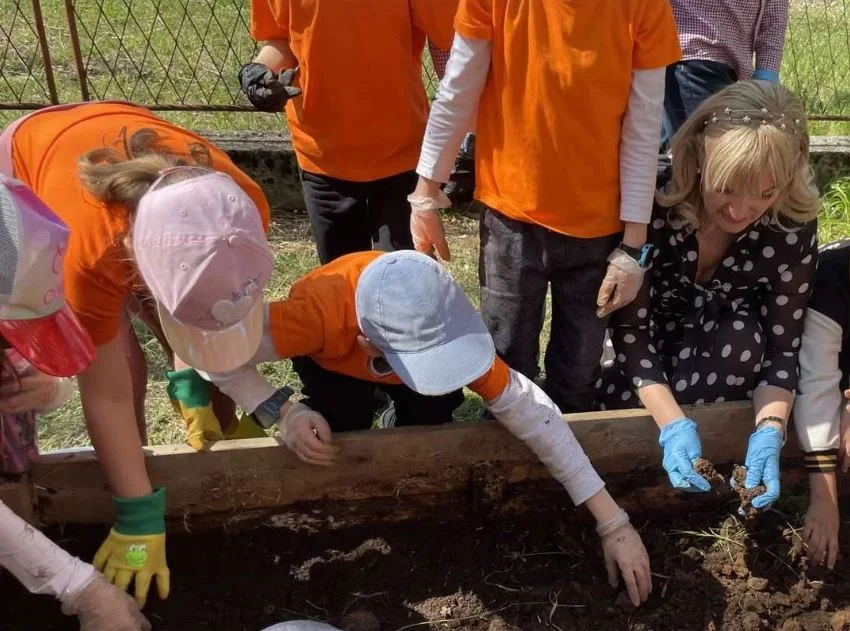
(355,216)
(347,403)
(688,84)
(518,263)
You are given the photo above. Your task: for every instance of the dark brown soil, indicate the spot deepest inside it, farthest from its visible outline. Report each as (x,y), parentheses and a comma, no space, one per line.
(539,572)
(706,469)
(739,474)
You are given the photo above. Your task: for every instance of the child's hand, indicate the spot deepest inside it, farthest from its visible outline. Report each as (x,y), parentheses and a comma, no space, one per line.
(307,433)
(38,391)
(820,529)
(625,554)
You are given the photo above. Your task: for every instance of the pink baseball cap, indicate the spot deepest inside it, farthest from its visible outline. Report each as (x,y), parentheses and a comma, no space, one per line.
(201,249)
(34,318)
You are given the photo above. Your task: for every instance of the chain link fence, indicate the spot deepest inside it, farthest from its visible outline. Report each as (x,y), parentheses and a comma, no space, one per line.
(185,54)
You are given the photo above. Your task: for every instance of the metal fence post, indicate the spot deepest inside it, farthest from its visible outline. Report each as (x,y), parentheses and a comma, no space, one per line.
(82,77)
(45,52)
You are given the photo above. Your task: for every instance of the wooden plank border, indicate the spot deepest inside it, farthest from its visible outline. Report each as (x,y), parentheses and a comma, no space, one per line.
(256,474)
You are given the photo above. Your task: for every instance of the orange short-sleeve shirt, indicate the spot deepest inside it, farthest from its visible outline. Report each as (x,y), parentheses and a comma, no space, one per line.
(319,320)
(551,111)
(362,111)
(45,149)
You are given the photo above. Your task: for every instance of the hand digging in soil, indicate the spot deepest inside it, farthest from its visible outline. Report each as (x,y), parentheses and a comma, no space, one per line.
(739,475)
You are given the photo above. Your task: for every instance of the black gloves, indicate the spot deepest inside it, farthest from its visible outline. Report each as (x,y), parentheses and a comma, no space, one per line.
(267,91)
(461,184)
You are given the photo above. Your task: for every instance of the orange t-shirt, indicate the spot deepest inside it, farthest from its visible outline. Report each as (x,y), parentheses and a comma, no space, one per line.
(45,149)
(550,114)
(319,320)
(362,112)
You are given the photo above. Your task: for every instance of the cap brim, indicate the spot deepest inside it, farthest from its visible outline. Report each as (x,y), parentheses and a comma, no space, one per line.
(215,351)
(57,344)
(449,367)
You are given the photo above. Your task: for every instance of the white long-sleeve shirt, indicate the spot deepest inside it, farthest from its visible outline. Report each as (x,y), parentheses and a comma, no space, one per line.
(38,563)
(824,360)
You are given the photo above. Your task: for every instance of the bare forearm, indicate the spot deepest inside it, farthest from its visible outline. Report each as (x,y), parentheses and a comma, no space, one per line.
(277,55)
(602,506)
(772,401)
(634,234)
(823,487)
(111,423)
(659,401)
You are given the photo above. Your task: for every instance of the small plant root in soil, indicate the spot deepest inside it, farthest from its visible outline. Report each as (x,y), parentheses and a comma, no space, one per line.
(739,474)
(535,573)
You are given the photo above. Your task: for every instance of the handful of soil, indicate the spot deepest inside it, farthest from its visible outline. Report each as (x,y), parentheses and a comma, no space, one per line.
(706,469)
(739,474)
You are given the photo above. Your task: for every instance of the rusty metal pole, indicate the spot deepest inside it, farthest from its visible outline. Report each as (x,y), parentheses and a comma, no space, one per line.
(45,52)
(82,77)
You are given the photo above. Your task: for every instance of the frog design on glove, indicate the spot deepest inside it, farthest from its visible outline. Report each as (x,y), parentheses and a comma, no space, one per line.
(137,555)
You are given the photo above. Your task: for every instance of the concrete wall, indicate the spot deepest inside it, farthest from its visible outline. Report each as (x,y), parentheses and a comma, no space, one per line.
(269,159)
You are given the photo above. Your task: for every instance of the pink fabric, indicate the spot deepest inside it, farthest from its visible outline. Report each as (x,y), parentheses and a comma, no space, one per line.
(201,249)
(732,32)
(18,450)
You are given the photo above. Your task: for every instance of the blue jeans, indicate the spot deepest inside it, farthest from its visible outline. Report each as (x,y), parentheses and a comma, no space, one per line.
(688,84)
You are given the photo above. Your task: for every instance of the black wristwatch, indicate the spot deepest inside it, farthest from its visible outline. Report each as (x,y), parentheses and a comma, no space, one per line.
(268,412)
(640,255)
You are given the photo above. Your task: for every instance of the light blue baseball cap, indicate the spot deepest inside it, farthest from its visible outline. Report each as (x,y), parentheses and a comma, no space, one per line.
(415,313)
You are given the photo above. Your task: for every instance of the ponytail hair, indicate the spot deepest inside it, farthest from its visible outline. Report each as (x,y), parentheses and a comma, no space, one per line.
(122,178)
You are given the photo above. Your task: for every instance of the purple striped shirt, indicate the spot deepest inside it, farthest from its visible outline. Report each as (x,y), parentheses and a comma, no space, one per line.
(733,32)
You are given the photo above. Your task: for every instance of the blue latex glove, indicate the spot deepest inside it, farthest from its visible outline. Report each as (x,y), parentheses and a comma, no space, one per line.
(762,464)
(681,445)
(766,75)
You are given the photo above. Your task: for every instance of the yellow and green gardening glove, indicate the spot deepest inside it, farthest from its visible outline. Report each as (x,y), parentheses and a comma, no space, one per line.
(134,550)
(190,396)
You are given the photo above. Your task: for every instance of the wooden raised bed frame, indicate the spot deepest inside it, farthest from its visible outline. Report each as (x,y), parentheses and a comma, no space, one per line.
(246,476)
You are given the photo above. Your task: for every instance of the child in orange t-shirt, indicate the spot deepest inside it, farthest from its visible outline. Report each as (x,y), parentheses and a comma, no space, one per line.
(356,107)
(393,318)
(91,163)
(569,99)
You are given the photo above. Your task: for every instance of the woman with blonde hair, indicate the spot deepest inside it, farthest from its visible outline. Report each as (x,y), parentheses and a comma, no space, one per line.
(720,314)
(92,164)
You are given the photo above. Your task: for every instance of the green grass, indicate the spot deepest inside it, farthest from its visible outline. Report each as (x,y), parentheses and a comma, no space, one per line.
(149,52)
(141,62)
(160,52)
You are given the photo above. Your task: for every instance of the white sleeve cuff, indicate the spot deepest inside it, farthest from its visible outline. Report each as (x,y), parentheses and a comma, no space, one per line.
(817,407)
(534,418)
(453,112)
(639,145)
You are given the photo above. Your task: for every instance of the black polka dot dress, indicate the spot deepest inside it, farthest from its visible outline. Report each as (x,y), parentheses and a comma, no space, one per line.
(714,341)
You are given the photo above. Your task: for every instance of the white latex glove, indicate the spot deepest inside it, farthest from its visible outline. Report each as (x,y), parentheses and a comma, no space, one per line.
(624,550)
(100,606)
(426,226)
(621,283)
(307,433)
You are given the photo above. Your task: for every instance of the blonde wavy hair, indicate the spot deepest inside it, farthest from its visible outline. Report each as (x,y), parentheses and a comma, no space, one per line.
(740,150)
(119,175)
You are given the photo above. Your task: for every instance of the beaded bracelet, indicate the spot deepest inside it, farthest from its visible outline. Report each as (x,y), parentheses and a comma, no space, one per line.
(775,419)
(617,521)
